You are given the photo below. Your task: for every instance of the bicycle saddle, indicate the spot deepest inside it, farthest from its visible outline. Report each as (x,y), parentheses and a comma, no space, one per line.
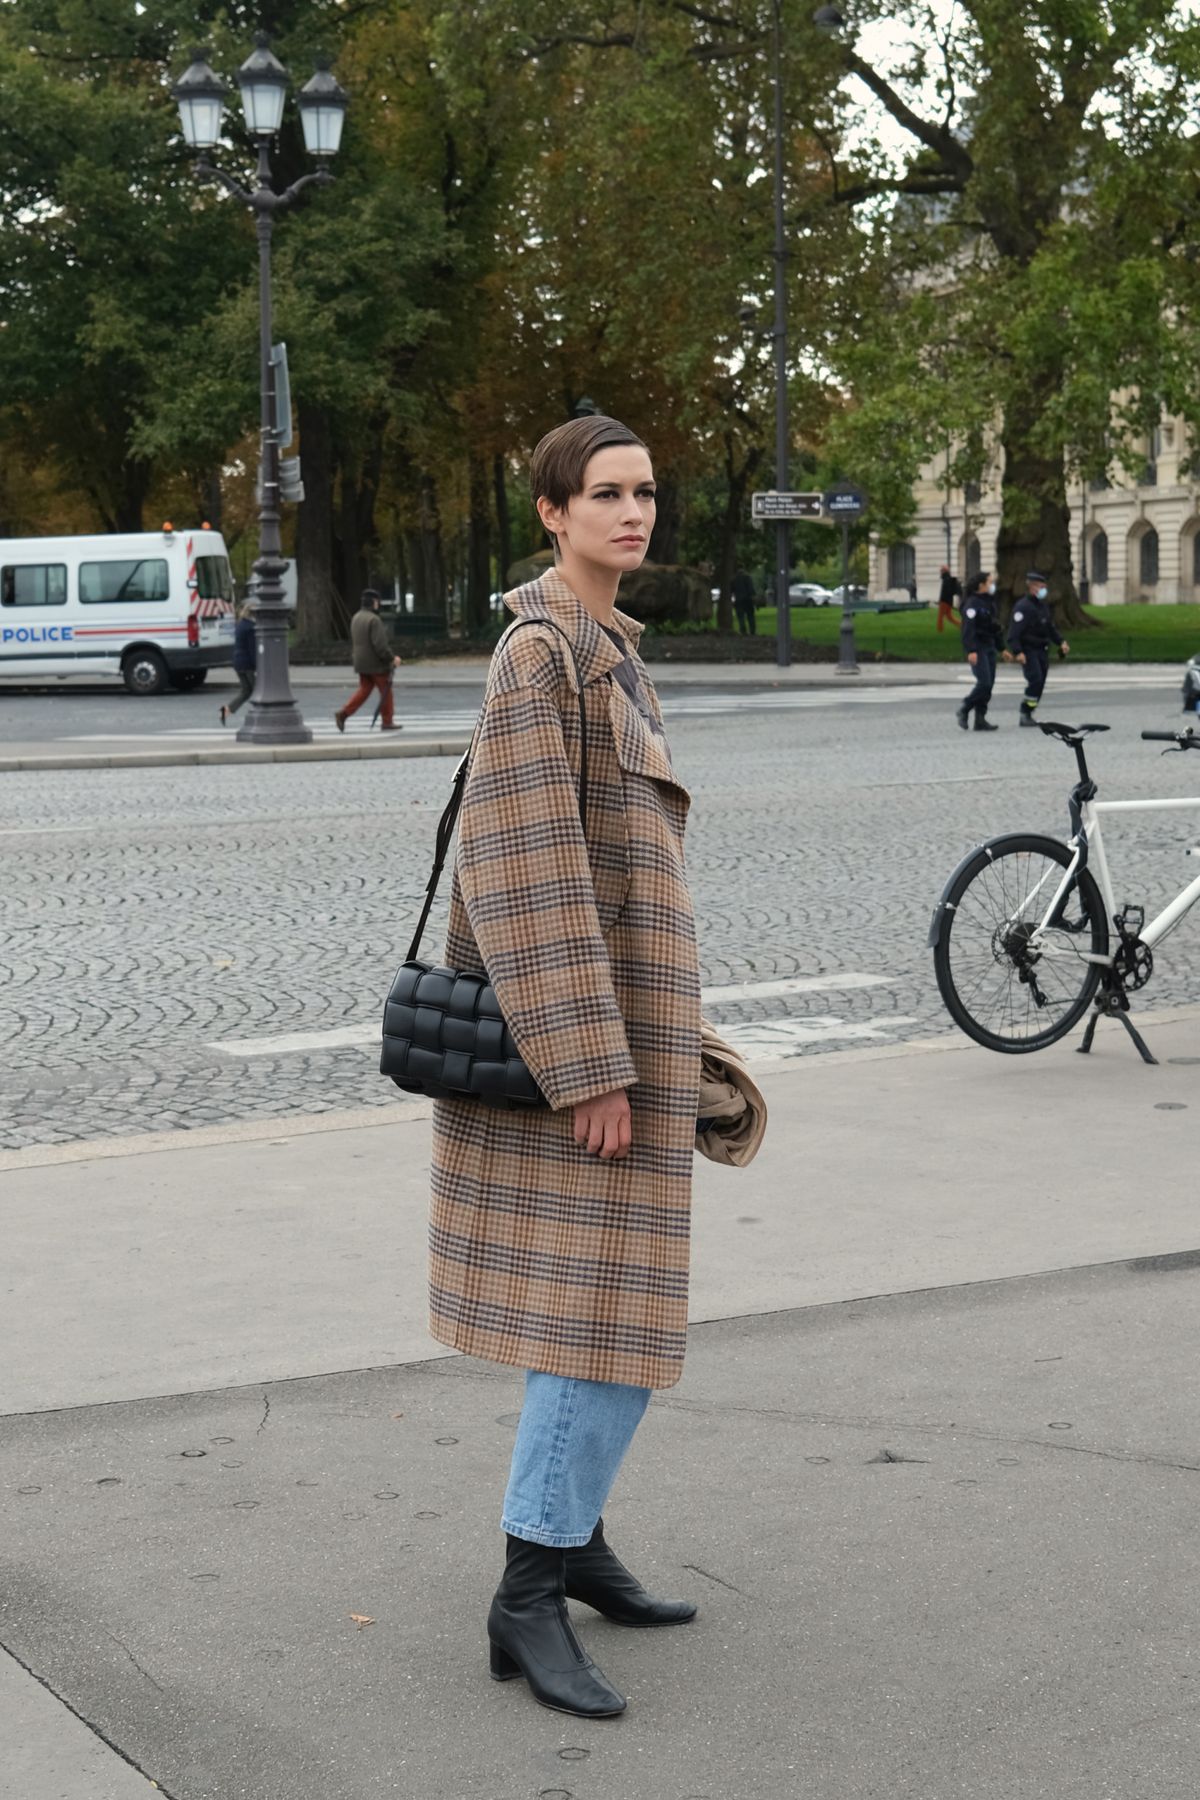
(1070,734)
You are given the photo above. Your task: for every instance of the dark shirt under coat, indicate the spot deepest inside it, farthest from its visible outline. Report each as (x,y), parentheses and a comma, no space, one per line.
(1032,626)
(950,590)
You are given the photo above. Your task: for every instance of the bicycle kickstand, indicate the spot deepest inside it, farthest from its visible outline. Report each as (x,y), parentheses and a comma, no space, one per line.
(1108,1006)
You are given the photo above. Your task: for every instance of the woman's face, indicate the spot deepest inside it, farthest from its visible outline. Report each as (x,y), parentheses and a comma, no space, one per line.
(608,523)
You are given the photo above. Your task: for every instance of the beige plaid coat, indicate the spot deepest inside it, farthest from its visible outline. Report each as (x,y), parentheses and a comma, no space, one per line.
(541,1255)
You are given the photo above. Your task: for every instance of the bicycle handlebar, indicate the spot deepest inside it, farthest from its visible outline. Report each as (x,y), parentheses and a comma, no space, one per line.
(1185,739)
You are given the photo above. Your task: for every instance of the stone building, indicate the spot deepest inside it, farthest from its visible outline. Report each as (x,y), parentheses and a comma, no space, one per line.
(1131,540)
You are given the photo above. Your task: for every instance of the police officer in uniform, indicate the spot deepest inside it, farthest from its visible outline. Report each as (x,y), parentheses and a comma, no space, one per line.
(1030,634)
(982,639)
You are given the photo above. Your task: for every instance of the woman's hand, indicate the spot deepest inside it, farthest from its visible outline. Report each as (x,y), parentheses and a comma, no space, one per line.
(603,1126)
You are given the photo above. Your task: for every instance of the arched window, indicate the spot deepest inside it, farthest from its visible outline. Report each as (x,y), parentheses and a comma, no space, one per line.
(1196,560)
(1148,558)
(1100,559)
(902,565)
(974,557)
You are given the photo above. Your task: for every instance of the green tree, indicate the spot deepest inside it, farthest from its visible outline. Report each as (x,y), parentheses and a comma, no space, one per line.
(1032,282)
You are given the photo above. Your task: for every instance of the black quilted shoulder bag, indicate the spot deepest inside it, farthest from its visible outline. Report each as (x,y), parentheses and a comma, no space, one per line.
(443,1032)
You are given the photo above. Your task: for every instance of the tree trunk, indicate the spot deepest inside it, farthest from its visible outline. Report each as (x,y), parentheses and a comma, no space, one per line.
(209,498)
(432,561)
(664,539)
(1035,532)
(503,522)
(361,471)
(134,481)
(319,613)
(737,481)
(479,552)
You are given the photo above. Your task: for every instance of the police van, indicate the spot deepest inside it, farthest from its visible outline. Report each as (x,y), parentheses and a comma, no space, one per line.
(154,607)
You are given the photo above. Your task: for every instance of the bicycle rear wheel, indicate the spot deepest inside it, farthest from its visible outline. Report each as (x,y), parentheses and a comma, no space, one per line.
(1006,989)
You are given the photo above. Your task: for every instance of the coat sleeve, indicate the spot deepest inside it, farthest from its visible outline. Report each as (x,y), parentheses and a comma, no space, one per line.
(381,643)
(527,886)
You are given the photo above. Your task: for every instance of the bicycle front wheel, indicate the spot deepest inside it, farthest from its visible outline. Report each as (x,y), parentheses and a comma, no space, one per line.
(1013,979)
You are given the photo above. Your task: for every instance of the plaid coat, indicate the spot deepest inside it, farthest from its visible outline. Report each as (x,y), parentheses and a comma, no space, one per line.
(541,1255)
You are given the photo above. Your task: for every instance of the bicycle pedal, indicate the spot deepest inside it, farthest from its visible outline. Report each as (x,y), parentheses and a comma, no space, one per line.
(1129,921)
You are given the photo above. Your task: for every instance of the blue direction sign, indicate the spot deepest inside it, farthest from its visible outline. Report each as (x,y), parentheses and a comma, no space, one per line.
(845,503)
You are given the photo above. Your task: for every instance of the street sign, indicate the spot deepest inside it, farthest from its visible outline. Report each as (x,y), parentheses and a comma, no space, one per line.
(769,504)
(845,503)
(281,396)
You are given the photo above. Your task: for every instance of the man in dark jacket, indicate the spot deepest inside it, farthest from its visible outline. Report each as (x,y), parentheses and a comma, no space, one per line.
(1030,633)
(374,659)
(982,638)
(743,602)
(948,593)
(245,659)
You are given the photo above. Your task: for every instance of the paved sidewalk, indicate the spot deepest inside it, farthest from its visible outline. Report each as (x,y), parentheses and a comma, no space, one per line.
(931,1471)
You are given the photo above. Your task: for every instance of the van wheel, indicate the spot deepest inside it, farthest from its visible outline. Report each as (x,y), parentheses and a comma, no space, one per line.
(145,672)
(188,680)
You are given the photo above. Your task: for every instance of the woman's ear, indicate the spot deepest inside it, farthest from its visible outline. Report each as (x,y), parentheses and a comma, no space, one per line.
(550,515)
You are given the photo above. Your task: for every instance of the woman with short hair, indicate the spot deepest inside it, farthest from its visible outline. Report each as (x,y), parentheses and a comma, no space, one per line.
(559,1236)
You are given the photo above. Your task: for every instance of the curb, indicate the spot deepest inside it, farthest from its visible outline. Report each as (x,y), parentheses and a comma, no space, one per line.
(253,753)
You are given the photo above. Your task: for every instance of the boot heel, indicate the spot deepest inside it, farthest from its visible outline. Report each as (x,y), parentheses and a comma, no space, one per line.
(501,1664)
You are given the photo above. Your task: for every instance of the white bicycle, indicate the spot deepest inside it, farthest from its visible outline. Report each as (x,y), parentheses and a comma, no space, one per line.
(1027,933)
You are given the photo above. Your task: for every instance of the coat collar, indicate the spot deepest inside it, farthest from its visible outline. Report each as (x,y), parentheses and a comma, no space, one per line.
(549,597)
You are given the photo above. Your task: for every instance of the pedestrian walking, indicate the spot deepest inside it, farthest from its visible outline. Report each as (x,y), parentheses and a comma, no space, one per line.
(245,658)
(374,660)
(982,639)
(949,591)
(559,1236)
(744,602)
(1031,631)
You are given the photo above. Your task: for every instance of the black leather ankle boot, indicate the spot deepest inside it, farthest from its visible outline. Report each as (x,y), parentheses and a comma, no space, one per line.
(531,1635)
(595,1576)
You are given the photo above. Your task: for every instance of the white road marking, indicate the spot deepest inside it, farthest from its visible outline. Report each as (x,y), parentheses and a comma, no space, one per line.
(343,1037)
(774,1038)
(794,984)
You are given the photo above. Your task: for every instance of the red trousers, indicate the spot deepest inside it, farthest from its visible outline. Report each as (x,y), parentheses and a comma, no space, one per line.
(367,685)
(946,611)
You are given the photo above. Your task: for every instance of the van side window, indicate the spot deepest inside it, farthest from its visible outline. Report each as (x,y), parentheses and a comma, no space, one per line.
(124,583)
(33,584)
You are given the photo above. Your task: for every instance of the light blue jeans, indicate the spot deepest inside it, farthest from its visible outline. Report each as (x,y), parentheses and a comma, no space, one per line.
(570,1444)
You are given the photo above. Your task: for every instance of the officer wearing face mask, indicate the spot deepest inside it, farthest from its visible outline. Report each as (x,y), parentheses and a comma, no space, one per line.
(1030,634)
(982,639)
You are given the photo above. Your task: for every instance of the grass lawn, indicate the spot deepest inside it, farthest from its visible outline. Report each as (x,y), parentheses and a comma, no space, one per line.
(1169,634)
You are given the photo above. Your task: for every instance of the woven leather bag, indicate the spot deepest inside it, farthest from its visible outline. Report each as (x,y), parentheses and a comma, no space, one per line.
(443,1032)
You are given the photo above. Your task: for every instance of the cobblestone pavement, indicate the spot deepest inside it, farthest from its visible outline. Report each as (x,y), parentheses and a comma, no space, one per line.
(151,915)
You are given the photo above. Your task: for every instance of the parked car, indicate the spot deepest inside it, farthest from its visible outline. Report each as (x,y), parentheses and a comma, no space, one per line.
(809,593)
(837,595)
(1191,685)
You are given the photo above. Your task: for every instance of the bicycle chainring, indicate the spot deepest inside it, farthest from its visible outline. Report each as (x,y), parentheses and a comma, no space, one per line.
(1135,962)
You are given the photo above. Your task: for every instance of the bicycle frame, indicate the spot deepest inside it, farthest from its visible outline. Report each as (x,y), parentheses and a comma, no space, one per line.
(1088,844)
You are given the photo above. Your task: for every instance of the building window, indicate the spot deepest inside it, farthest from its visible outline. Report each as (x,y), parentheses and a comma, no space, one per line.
(33,584)
(1148,559)
(1196,560)
(974,557)
(902,566)
(972,493)
(1100,559)
(124,583)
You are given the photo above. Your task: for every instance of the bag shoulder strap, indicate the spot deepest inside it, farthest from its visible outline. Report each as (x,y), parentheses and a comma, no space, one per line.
(449,818)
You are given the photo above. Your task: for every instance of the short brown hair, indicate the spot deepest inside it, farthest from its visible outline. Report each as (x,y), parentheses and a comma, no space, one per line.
(559,463)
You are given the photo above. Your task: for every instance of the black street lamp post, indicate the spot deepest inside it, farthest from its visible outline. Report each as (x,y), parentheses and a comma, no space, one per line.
(272,716)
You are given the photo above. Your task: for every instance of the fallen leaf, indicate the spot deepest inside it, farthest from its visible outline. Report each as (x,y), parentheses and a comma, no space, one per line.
(222,962)
(397,1415)
(361,1619)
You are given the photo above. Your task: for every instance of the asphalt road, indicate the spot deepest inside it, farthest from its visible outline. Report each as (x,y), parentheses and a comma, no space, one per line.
(190,946)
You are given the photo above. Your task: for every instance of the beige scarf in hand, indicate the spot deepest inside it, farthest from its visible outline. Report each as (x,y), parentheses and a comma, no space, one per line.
(731,1098)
